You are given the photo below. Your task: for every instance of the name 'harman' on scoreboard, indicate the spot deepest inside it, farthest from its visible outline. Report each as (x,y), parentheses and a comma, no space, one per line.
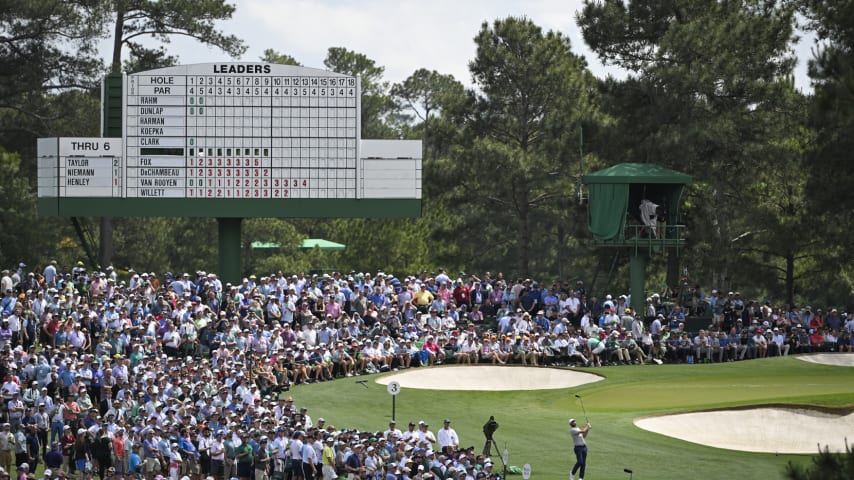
(233,131)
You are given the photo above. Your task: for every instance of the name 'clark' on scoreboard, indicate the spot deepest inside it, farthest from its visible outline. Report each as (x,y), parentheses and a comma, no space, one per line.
(241,131)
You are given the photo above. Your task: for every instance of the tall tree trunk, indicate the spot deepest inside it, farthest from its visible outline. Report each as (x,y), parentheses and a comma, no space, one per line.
(105,247)
(524,242)
(790,278)
(116,65)
(672,268)
(561,249)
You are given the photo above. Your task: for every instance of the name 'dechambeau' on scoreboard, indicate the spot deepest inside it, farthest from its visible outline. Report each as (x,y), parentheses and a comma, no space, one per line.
(159,172)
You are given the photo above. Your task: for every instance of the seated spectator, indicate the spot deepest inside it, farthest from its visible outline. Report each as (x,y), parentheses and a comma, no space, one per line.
(702,346)
(761,344)
(633,350)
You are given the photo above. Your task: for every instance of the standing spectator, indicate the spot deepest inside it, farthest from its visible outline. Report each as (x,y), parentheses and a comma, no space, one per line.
(7,445)
(53,458)
(447,437)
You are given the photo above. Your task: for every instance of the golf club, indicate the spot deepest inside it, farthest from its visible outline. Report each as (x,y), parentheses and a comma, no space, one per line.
(582,408)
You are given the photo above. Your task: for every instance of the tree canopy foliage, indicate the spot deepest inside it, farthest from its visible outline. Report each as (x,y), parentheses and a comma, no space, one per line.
(709,92)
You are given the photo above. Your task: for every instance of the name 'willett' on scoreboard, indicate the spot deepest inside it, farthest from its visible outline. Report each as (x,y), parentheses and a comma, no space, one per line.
(241,130)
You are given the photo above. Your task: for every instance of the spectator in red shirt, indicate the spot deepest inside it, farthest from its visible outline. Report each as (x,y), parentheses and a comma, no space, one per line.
(462,294)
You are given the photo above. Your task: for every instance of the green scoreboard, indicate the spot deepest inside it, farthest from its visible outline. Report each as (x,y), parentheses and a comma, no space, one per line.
(233,140)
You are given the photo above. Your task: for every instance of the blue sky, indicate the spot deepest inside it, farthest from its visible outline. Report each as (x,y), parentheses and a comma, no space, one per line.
(401,35)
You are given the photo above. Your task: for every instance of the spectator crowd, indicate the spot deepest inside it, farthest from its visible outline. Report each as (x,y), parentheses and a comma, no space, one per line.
(147,375)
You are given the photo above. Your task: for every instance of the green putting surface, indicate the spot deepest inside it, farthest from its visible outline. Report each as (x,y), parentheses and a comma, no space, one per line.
(533,423)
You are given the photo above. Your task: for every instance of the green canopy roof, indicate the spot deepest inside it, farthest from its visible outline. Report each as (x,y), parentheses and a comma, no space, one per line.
(615,193)
(322,244)
(637,173)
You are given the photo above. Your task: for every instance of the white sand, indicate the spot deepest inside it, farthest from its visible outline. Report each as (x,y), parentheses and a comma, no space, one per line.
(488,378)
(764,430)
(835,359)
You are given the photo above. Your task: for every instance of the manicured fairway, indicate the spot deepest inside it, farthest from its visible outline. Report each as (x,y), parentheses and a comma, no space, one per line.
(533,424)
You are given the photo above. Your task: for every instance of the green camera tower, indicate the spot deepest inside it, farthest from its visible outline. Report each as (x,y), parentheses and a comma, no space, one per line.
(636,206)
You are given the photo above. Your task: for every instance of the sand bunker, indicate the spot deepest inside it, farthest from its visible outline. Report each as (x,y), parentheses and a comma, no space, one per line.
(764,430)
(835,359)
(489,378)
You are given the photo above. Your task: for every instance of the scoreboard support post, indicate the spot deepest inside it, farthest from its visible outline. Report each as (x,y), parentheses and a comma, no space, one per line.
(229,249)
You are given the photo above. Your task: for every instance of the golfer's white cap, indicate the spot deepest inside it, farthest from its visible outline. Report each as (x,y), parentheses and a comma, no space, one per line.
(571,421)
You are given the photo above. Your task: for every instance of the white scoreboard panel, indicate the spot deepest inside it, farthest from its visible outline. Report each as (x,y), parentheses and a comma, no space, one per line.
(241,130)
(80,167)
